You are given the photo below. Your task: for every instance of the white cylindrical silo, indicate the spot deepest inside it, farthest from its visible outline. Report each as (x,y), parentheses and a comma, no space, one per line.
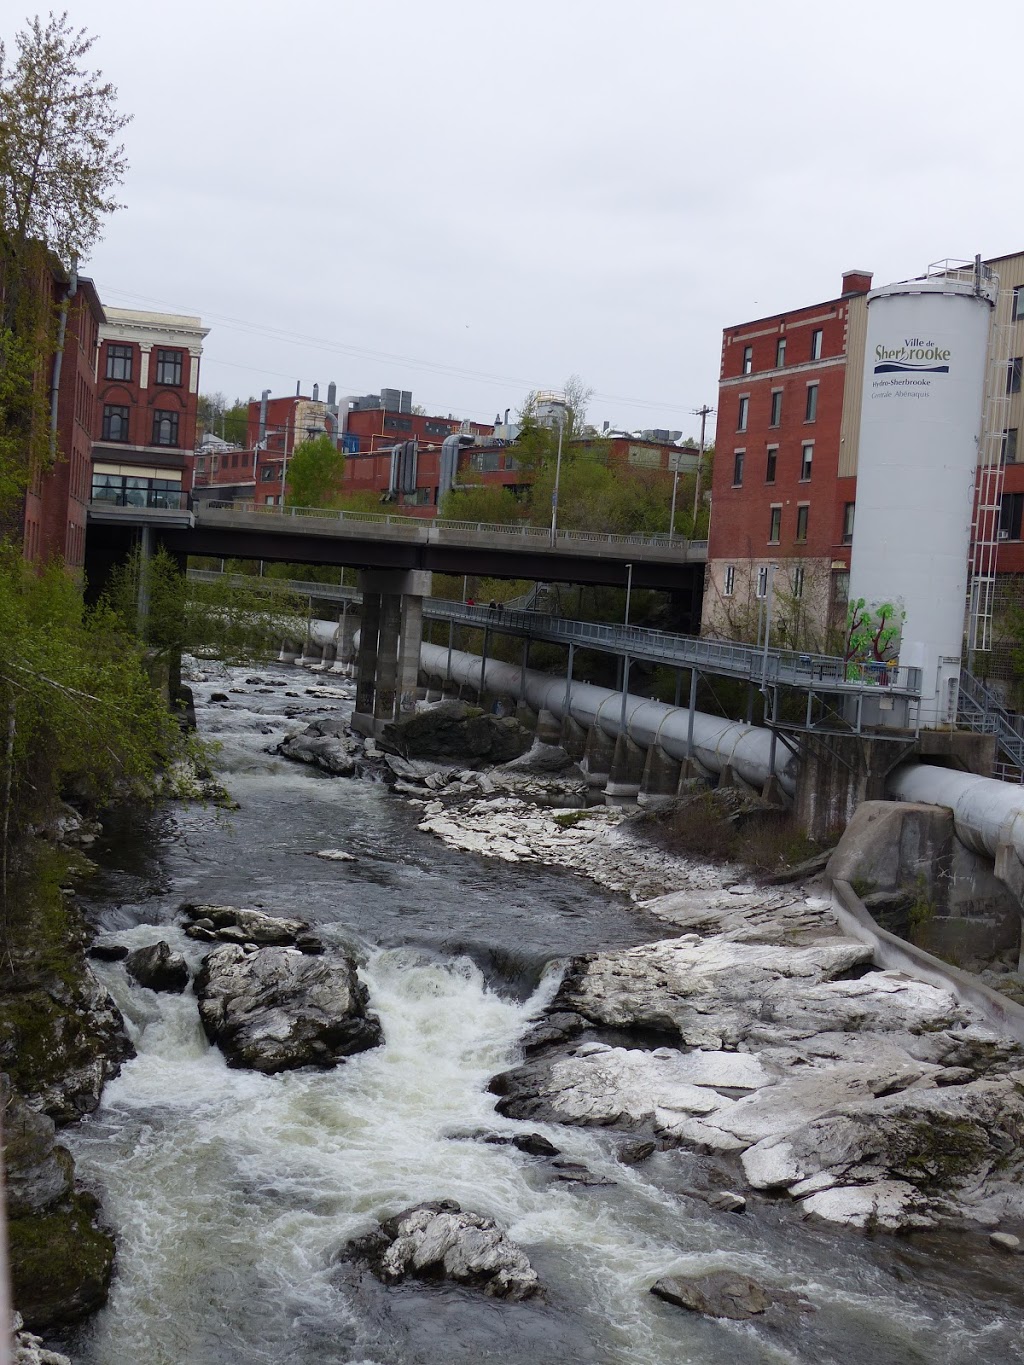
(921,411)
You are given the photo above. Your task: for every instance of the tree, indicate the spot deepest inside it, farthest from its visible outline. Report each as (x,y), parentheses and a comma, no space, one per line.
(486,502)
(60,158)
(315,472)
(60,163)
(229,422)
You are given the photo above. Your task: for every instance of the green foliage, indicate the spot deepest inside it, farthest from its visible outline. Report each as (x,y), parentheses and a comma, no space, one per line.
(60,161)
(228,421)
(488,503)
(315,472)
(235,621)
(26,338)
(77,709)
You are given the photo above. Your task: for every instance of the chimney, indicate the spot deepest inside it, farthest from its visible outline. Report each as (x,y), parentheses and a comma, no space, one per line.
(332,394)
(263,416)
(316,393)
(856,282)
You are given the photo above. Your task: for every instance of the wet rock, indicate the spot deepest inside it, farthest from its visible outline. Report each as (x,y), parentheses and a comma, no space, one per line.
(721,1294)
(635,1153)
(158,968)
(325,743)
(575,1173)
(457,731)
(335,855)
(60,1261)
(438,1241)
(309,943)
(29,1349)
(277,1009)
(219,696)
(235,924)
(728,1202)
(108,952)
(534,1144)
(1005,1241)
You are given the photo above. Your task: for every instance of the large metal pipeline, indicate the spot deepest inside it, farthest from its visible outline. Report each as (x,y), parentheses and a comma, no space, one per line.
(717,743)
(987,814)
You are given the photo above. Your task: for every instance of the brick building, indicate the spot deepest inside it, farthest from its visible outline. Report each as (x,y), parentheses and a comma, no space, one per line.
(56,501)
(147,391)
(783,487)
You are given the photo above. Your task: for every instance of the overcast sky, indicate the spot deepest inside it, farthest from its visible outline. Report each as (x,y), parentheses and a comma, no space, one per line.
(469,199)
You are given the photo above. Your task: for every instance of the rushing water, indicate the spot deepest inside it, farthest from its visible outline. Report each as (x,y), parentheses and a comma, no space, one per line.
(232,1193)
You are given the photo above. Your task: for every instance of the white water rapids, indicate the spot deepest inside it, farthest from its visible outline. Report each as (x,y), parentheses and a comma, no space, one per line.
(232,1193)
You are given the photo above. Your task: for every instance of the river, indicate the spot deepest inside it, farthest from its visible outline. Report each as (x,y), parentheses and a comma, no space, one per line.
(232,1193)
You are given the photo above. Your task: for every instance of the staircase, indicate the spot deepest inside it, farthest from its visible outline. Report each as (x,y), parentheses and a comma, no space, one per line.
(979,709)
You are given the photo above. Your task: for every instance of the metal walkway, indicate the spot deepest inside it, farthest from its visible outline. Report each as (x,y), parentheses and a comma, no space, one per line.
(817,673)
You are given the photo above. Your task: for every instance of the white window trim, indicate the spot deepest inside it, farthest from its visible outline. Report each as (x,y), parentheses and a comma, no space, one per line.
(773,507)
(729,581)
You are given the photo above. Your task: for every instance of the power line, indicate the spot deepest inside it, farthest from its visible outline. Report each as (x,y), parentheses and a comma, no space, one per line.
(384,357)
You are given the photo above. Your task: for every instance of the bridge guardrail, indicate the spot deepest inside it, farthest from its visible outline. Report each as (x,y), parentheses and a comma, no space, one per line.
(433,529)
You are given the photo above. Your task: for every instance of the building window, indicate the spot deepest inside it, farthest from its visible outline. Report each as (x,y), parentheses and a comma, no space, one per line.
(1013,371)
(811,410)
(775,524)
(840,587)
(270,471)
(398,424)
(798,581)
(1009,448)
(743,414)
(730,580)
(848,511)
(806,460)
(762,582)
(1011,505)
(119,362)
(776,417)
(770,463)
(1018,302)
(748,359)
(780,353)
(165,427)
(803,511)
(168,367)
(816,340)
(115,423)
(737,468)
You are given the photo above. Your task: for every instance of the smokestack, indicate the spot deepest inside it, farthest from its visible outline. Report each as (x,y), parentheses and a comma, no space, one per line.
(263,416)
(332,394)
(298,388)
(316,393)
(507,411)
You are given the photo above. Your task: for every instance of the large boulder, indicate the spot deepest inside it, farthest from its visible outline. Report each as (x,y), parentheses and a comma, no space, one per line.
(158,968)
(325,744)
(236,924)
(720,1294)
(438,1241)
(60,1261)
(458,732)
(276,1009)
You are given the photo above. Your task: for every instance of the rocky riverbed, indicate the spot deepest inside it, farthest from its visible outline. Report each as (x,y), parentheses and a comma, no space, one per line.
(756,1030)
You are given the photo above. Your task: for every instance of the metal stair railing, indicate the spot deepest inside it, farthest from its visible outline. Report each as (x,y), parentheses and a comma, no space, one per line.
(981,710)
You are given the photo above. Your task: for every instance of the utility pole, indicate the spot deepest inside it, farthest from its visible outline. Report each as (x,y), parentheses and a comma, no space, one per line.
(554,491)
(703,413)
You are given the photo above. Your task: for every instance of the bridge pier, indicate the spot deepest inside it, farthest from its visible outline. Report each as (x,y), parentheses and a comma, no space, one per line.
(346,648)
(390,637)
(574,738)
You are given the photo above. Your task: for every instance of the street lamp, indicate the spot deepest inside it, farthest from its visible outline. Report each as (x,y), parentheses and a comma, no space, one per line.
(558,474)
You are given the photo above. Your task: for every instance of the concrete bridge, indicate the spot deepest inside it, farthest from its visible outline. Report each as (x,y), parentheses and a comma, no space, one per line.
(382,540)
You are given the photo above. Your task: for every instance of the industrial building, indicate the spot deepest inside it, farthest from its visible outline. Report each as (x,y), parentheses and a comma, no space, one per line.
(785,477)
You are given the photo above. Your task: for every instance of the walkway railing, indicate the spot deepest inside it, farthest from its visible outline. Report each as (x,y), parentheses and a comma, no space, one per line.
(807,672)
(432,529)
(979,709)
